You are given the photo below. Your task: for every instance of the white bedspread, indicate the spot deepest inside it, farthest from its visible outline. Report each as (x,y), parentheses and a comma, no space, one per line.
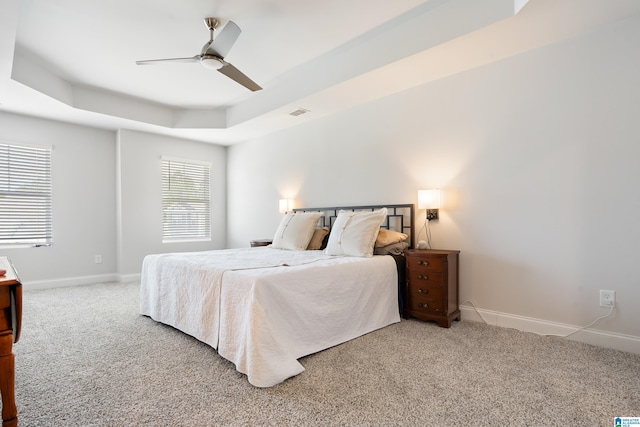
(264,308)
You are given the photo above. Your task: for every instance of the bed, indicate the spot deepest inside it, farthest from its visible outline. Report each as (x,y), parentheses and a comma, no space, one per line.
(263,308)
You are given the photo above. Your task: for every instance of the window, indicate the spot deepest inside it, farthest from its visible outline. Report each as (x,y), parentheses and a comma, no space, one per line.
(25,195)
(185,200)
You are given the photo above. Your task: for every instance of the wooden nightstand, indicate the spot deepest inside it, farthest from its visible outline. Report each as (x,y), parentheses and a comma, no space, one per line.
(432,285)
(10,323)
(260,242)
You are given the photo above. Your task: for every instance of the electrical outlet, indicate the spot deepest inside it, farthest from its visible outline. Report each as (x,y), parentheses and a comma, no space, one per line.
(607,298)
(98,259)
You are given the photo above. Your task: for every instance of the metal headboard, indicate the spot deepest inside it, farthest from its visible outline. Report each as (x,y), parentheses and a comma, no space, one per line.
(399,217)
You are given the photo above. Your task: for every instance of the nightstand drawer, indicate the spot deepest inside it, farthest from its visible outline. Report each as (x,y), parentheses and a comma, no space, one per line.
(426,298)
(426,307)
(421,263)
(424,277)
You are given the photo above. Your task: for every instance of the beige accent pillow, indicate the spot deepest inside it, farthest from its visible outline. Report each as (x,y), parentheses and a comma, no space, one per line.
(316,240)
(295,230)
(389,237)
(354,233)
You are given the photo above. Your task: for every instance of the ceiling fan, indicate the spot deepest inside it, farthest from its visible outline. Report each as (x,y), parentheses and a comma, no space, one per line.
(213,52)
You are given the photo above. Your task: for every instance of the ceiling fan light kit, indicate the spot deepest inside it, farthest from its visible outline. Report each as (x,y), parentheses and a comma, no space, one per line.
(213,52)
(211,62)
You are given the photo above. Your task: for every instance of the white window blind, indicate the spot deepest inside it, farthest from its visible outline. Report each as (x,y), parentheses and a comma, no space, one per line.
(186,207)
(25,195)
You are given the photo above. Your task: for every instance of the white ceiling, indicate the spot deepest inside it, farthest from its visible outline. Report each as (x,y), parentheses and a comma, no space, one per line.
(74,60)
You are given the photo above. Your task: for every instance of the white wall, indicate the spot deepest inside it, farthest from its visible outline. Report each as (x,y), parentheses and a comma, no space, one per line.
(538,158)
(140,196)
(106,190)
(83,205)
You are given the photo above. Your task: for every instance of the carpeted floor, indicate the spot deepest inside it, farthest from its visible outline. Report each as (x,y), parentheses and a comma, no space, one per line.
(87,358)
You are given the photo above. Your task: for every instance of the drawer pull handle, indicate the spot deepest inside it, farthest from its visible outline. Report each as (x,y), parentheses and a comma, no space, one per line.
(423,291)
(421,277)
(421,305)
(423,262)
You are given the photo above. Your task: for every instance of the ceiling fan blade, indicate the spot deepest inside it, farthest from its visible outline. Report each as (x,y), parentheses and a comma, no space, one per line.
(223,42)
(195,58)
(234,74)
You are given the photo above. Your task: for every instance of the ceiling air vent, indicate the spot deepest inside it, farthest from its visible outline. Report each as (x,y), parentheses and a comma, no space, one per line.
(298,112)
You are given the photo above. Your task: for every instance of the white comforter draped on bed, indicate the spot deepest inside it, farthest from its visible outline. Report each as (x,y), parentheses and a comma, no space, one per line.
(263,308)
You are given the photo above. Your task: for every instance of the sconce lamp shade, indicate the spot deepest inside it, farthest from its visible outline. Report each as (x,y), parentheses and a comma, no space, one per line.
(429,199)
(286,205)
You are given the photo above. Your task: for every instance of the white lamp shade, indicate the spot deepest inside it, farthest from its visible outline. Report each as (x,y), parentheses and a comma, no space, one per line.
(429,199)
(285,205)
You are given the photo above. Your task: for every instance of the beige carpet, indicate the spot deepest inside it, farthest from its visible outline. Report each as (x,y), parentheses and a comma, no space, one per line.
(87,358)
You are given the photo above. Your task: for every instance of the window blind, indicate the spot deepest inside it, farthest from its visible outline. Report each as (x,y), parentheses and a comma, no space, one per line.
(186,207)
(25,195)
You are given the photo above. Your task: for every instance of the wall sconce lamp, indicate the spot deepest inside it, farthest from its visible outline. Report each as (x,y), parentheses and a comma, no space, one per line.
(286,205)
(429,200)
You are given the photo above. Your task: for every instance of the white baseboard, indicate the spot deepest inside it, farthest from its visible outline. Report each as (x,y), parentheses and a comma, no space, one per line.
(83,280)
(126,278)
(628,343)
(70,281)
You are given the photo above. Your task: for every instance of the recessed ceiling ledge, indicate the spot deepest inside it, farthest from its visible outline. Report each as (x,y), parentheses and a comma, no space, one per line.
(425,27)
(200,118)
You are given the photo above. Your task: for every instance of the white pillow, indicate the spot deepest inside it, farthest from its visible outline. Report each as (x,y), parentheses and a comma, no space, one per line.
(295,230)
(354,233)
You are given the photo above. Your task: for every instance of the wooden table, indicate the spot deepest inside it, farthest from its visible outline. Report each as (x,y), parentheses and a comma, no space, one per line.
(10,322)
(260,242)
